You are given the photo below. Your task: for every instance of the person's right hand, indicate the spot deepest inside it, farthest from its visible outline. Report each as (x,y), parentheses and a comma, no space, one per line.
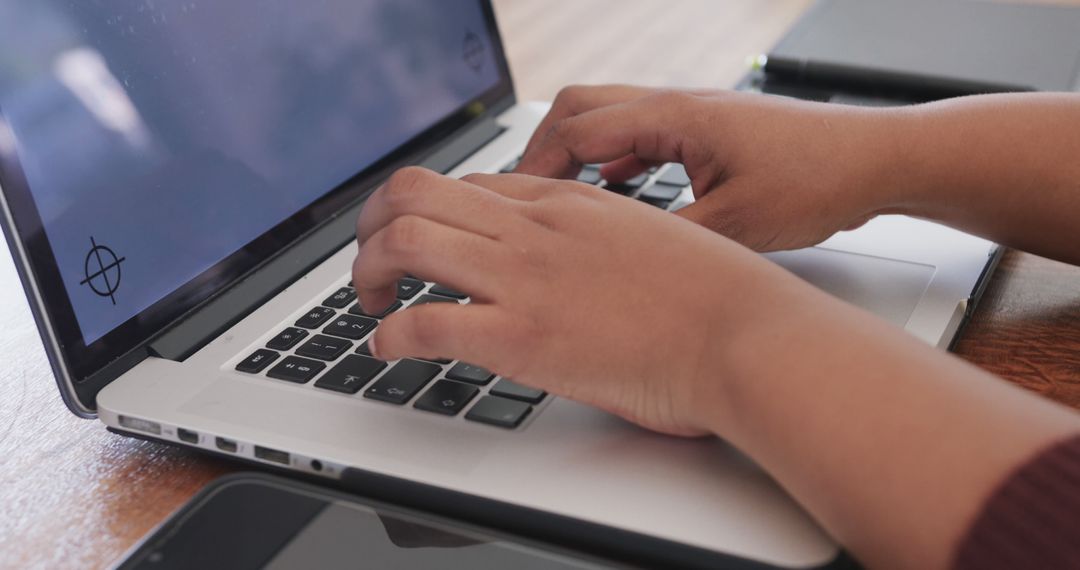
(770,173)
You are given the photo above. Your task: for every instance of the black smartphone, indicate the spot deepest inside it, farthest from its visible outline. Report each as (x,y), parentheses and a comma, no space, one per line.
(252,520)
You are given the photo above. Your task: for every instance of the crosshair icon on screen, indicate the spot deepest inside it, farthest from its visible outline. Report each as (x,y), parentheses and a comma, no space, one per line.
(473,51)
(102,270)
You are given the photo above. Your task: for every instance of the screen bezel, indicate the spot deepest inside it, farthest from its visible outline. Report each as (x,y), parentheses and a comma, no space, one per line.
(81,361)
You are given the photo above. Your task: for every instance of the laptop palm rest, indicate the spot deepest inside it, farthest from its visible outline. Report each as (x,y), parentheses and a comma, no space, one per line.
(886,287)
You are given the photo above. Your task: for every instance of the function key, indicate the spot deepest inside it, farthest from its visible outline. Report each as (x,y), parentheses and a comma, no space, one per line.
(296,369)
(446,397)
(515,391)
(675,175)
(408,288)
(287,338)
(499,412)
(351,374)
(341,298)
(356,309)
(324,347)
(402,382)
(350,326)
(466,372)
(315,317)
(446,291)
(257,361)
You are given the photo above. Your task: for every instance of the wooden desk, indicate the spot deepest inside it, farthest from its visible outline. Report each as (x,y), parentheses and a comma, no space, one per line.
(73,495)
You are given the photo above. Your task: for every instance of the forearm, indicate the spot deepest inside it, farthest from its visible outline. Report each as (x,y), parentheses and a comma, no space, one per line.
(1006,167)
(893,446)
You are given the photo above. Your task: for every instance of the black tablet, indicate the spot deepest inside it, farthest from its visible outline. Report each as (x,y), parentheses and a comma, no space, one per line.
(252,520)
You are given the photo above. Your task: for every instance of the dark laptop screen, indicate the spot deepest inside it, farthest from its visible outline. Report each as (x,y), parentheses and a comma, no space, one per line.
(157,137)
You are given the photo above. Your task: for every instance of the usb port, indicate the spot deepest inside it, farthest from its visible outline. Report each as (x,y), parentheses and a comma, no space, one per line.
(225,444)
(187,435)
(267,454)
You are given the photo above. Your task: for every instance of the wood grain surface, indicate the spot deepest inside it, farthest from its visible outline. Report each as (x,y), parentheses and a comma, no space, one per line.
(73,495)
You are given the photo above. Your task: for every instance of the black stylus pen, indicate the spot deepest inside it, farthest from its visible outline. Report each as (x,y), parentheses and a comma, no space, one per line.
(842,77)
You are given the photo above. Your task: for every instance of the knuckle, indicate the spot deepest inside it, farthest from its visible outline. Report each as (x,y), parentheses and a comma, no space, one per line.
(404,184)
(427,327)
(563,129)
(569,95)
(404,236)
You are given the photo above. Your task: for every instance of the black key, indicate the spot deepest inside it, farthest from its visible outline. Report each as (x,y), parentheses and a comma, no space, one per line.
(446,397)
(510,166)
(425,299)
(660,192)
(257,361)
(315,317)
(296,369)
(629,186)
(363,349)
(341,298)
(356,309)
(675,175)
(324,347)
(350,326)
(287,338)
(499,412)
(402,382)
(662,204)
(446,291)
(351,374)
(469,373)
(589,176)
(437,360)
(515,391)
(408,288)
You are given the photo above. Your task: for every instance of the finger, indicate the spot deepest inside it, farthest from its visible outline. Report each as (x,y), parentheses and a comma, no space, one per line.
(652,128)
(625,168)
(412,245)
(525,188)
(717,211)
(577,99)
(421,192)
(484,335)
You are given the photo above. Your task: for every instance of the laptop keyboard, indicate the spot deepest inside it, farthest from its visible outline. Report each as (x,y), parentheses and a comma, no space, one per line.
(662,187)
(326,347)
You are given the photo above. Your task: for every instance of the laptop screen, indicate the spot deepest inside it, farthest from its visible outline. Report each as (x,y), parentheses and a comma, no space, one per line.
(157,138)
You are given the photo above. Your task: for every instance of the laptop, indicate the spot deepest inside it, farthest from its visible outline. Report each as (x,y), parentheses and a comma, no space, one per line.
(180,186)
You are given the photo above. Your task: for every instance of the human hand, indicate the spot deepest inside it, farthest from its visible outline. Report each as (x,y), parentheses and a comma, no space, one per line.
(582,293)
(770,173)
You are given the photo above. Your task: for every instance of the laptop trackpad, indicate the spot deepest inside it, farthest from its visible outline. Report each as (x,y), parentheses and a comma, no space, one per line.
(888,288)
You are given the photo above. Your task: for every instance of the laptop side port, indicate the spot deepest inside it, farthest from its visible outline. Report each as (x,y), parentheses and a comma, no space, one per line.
(187,436)
(267,454)
(226,444)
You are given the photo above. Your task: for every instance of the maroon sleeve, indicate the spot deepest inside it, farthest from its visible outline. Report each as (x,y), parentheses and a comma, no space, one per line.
(1033,519)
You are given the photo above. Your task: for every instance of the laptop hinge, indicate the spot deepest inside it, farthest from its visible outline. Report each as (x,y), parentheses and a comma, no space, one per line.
(202,325)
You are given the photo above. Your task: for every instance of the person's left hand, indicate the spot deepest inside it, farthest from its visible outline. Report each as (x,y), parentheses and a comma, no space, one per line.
(582,293)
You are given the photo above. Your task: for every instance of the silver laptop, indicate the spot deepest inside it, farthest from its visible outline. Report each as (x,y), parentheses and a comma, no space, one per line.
(180,185)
